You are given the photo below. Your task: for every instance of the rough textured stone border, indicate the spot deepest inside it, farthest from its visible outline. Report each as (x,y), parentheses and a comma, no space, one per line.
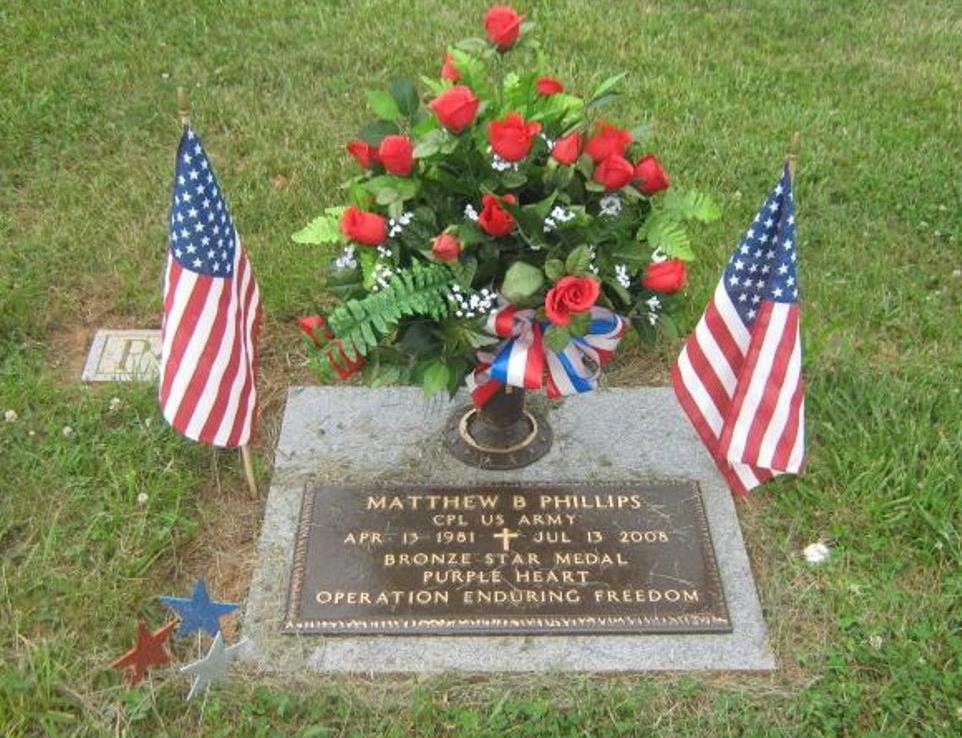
(353,434)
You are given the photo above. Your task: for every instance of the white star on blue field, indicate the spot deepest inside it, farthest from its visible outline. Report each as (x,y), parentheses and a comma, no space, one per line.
(763,265)
(201,229)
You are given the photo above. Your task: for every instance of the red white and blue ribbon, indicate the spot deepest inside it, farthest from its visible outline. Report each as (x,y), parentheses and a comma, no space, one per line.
(522,359)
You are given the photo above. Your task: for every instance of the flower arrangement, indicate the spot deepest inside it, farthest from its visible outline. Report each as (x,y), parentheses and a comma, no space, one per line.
(503,232)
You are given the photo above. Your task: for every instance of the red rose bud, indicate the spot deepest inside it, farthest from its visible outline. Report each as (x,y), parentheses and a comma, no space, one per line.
(503,26)
(313,327)
(339,362)
(363,152)
(567,149)
(549,86)
(511,138)
(609,140)
(363,227)
(448,70)
(653,177)
(614,172)
(493,218)
(665,276)
(397,155)
(570,295)
(446,247)
(455,108)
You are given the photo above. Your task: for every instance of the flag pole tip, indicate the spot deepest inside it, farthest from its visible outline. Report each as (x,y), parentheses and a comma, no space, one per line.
(792,157)
(183,106)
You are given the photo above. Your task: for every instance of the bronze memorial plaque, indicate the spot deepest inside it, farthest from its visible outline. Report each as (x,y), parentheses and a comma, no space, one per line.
(505,558)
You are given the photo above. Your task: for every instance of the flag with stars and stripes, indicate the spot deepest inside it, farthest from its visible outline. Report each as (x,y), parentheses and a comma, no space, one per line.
(739,376)
(211,311)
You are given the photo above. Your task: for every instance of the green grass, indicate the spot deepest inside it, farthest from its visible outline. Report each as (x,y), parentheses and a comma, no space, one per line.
(869,643)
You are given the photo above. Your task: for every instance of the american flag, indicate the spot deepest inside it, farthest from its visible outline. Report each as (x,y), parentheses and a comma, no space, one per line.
(211,311)
(739,376)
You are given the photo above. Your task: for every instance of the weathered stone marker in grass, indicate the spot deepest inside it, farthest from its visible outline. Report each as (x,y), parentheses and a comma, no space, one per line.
(123,355)
(380,552)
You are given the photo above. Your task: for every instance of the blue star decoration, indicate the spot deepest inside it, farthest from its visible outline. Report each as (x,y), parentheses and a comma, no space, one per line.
(199,612)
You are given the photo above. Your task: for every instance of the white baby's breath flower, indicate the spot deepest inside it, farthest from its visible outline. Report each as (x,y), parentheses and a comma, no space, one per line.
(10,416)
(816,553)
(622,276)
(658,256)
(610,204)
(470,213)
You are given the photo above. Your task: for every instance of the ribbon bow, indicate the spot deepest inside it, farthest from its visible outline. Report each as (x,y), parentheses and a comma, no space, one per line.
(522,360)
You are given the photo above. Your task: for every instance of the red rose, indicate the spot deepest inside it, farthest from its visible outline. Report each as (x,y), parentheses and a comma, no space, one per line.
(549,86)
(363,227)
(665,276)
(567,149)
(397,154)
(570,295)
(503,25)
(448,70)
(511,137)
(455,108)
(494,219)
(614,172)
(313,327)
(363,152)
(653,177)
(446,247)
(607,141)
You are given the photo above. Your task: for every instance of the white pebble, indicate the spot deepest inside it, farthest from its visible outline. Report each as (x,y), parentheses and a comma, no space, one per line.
(115,404)
(142,498)
(816,553)
(11,416)
(67,432)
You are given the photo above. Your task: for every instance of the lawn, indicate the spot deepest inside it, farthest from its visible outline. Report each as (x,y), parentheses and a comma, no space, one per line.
(97,520)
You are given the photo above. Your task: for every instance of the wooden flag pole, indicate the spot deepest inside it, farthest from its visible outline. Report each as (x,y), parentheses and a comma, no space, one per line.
(793,154)
(249,470)
(183,112)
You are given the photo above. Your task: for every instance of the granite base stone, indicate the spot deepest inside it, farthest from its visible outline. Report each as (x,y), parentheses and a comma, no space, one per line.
(356,435)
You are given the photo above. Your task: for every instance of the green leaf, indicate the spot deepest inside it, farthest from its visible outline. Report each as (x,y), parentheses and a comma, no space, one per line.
(405,95)
(620,292)
(600,102)
(433,142)
(375,131)
(608,85)
(323,229)
(473,45)
(665,233)
(464,271)
(367,257)
(557,337)
(512,179)
(436,377)
(691,205)
(578,261)
(580,322)
(383,105)
(397,188)
(521,281)
(554,269)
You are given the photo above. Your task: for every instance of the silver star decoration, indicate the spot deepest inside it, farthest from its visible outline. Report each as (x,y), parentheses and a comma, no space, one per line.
(213,667)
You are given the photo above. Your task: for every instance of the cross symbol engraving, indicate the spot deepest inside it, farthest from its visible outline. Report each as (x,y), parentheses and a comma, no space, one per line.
(505,535)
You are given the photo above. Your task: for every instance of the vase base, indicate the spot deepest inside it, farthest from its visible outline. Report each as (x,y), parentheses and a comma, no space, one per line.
(478,444)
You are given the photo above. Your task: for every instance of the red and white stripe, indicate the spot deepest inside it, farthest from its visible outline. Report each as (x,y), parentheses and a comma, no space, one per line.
(209,355)
(742,389)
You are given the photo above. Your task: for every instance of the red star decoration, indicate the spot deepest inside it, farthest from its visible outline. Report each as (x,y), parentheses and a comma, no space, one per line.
(148,652)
